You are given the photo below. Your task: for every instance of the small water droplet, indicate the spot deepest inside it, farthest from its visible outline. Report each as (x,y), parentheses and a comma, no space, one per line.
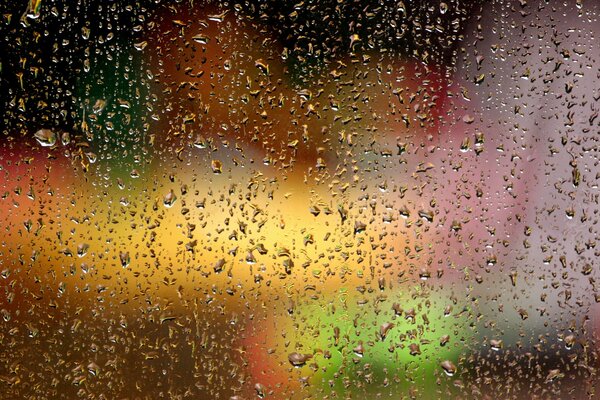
(45,137)
(200,38)
(217,166)
(141,45)
(169,199)
(125,259)
(496,344)
(298,360)
(448,367)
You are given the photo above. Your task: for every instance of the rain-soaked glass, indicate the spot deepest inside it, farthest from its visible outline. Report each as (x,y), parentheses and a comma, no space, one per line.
(338,199)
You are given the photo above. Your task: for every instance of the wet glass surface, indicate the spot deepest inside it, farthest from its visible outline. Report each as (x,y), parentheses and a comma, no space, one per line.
(299,200)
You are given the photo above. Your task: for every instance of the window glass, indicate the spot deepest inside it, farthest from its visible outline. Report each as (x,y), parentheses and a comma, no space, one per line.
(299,199)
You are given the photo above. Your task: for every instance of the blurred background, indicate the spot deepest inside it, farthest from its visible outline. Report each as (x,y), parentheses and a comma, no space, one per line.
(299,200)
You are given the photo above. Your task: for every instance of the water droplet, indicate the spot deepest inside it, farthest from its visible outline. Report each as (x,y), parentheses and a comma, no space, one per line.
(169,199)
(141,45)
(125,259)
(262,66)
(496,344)
(448,367)
(298,360)
(45,137)
(217,166)
(260,390)
(218,267)
(93,369)
(384,328)
(200,38)
(414,349)
(82,249)
(569,341)
(359,350)
(98,106)
(218,17)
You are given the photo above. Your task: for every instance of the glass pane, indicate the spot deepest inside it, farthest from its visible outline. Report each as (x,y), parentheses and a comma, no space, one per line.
(299,199)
